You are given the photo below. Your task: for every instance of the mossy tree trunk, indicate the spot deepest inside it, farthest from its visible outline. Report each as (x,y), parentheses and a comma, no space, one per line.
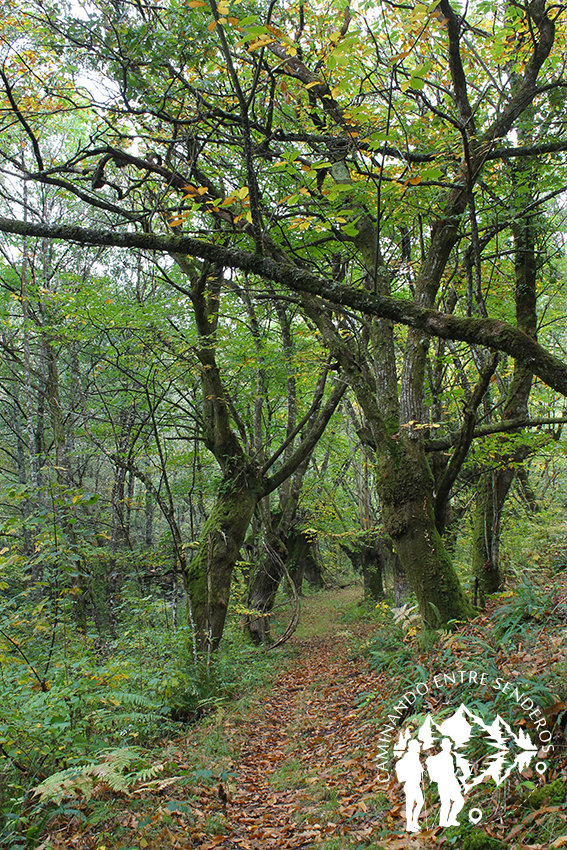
(494,486)
(367,558)
(208,576)
(246,479)
(393,418)
(486,534)
(265,584)
(406,491)
(303,560)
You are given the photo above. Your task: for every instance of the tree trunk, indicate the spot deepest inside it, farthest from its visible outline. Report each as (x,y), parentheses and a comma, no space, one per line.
(373,573)
(527,490)
(486,531)
(406,492)
(208,576)
(402,587)
(265,587)
(367,557)
(302,560)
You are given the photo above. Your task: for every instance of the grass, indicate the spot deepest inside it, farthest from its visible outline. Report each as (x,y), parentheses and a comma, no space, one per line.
(322,611)
(291,774)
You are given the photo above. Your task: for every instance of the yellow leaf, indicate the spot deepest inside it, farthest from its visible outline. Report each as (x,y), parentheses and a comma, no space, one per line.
(291,51)
(228,201)
(212,26)
(143,842)
(222,20)
(243,193)
(234,21)
(202,190)
(174,222)
(196,4)
(190,190)
(335,36)
(262,41)
(414,181)
(313,84)
(249,217)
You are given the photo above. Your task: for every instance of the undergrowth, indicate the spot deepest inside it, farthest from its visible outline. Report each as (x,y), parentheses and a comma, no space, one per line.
(518,646)
(72,705)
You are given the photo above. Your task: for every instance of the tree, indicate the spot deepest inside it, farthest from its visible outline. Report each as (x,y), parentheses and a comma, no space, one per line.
(360,170)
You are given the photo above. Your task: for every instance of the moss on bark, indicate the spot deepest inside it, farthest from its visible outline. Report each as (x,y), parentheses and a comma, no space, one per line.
(208,576)
(485,563)
(406,493)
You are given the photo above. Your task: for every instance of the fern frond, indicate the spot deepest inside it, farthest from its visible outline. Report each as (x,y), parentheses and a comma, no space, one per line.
(119,768)
(66,783)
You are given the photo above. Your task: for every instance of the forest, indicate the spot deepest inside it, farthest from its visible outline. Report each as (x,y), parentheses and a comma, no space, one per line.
(282,396)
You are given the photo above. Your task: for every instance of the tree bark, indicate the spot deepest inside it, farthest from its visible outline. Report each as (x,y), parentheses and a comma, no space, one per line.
(486,534)
(208,576)
(406,494)
(494,488)
(265,584)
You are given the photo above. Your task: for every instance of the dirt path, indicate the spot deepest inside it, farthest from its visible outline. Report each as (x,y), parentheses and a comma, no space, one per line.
(306,768)
(300,757)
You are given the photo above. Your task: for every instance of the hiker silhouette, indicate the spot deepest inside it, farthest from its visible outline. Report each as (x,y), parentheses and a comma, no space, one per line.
(441,769)
(409,771)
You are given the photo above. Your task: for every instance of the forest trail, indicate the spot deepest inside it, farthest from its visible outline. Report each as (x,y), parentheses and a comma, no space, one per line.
(306,770)
(293,763)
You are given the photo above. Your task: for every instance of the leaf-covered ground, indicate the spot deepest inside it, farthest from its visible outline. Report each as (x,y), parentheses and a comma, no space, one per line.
(295,765)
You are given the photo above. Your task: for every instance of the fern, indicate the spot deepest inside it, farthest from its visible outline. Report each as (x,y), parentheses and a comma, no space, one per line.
(132,711)
(120,769)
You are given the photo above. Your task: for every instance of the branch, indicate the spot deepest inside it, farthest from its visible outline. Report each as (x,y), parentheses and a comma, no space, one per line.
(22,120)
(463,445)
(42,683)
(490,333)
(302,423)
(307,445)
(496,428)
(527,89)
(528,150)
(456,67)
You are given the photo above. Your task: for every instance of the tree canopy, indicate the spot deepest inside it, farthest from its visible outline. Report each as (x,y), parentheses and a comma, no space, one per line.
(391,173)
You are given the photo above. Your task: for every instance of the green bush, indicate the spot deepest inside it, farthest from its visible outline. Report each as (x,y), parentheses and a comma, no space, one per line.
(67,699)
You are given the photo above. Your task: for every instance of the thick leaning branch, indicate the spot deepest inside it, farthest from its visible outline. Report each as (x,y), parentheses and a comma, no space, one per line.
(501,427)
(490,333)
